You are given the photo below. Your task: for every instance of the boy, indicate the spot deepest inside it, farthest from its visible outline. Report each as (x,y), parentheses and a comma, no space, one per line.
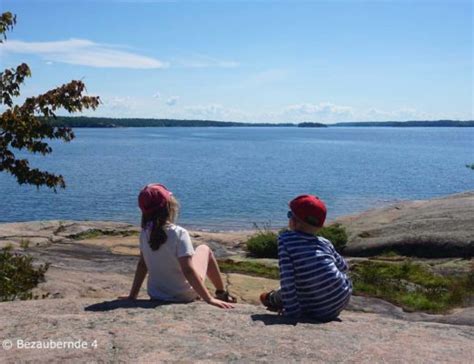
(313,276)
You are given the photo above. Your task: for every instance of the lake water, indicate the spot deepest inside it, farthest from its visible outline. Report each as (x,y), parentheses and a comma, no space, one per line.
(230,178)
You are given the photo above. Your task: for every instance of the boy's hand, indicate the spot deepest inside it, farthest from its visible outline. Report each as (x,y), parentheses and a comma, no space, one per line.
(220,304)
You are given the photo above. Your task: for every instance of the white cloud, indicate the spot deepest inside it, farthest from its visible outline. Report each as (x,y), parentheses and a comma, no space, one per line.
(394,115)
(115,107)
(215,112)
(118,106)
(322,112)
(327,112)
(85,53)
(157,95)
(173,100)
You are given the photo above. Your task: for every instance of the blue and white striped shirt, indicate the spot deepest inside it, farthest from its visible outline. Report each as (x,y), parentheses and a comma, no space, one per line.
(313,276)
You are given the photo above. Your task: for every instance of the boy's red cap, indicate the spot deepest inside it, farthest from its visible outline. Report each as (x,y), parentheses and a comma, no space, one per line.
(309,209)
(152,197)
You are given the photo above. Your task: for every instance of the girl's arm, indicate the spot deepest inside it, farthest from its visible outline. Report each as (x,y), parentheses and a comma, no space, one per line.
(140,275)
(197,283)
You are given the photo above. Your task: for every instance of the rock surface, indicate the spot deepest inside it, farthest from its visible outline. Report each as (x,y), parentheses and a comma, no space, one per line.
(148,332)
(87,275)
(441,227)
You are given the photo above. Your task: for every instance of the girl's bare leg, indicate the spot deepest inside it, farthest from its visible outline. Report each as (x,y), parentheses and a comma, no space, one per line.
(205,264)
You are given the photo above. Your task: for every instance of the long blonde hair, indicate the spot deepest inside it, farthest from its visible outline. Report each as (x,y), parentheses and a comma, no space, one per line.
(159,219)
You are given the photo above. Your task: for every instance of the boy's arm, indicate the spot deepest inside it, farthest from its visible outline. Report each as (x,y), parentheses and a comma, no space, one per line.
(140,274)
(291,306)
(341,263)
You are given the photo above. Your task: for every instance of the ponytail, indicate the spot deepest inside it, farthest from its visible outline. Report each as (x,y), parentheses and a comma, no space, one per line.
(159,219)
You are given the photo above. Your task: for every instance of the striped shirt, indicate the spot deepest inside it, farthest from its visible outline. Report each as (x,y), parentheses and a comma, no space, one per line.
(313,276)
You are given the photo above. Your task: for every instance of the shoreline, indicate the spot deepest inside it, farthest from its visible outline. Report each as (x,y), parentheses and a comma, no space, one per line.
(106,122)
(436,228)
(218,228)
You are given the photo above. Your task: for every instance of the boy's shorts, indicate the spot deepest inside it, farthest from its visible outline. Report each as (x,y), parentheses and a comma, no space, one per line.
(273,301)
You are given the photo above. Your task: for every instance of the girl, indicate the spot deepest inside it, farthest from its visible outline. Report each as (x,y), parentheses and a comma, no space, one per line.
(176,272)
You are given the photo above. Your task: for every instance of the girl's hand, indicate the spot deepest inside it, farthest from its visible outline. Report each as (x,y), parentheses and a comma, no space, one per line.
(220,304)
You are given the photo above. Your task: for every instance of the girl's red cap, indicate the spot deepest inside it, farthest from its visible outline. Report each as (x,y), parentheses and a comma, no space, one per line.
(309,209)
(153,197)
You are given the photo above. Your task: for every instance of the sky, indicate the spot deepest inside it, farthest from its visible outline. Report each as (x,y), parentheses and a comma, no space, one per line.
(253,61)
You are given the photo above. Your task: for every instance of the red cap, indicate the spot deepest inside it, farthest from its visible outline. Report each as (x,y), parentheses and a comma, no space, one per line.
(153,197)
(309,209)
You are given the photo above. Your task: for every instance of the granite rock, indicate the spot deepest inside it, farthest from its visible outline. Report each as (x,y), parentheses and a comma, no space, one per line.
(442,227)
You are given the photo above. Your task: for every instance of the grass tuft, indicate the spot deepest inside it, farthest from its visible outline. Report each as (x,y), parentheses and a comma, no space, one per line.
(97,233)
(412,286)
(24,243)
(255,269)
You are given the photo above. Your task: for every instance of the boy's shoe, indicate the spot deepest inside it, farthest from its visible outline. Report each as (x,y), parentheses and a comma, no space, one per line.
(269,300)
(225,296)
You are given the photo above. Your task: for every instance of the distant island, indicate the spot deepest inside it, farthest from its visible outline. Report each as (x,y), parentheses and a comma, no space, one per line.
(99,122)
(312,125)
(417,123)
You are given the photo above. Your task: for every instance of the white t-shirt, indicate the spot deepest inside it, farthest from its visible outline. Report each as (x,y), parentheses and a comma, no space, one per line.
(166,280)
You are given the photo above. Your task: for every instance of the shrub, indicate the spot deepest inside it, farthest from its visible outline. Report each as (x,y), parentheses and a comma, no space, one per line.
(336,233)
(264,244)
(18,276)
